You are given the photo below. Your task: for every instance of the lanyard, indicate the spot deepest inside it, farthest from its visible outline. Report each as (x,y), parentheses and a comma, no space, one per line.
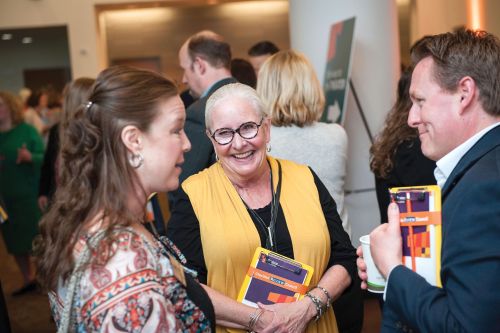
(275,201)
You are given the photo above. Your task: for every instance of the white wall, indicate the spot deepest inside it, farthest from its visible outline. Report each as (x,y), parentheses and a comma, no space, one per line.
(79,17)
(374,71)
(87,38)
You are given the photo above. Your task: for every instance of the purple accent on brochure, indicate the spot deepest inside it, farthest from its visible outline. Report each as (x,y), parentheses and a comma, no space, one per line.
(419,200)
(258,290)
(419,203)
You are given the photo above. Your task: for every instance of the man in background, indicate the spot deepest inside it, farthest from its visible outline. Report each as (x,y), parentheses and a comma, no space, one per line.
(206,61)
(259,53)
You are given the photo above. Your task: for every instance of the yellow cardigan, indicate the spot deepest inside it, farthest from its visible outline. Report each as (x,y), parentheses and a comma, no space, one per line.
(229,237)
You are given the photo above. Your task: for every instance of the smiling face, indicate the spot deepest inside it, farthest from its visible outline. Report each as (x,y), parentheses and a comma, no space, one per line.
(164,145)
(435,113)
(242,159)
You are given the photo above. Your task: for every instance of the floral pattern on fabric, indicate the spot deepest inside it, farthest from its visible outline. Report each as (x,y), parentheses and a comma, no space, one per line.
(134,291)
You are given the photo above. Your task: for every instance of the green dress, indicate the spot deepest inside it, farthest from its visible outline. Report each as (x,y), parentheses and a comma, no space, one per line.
(19,187)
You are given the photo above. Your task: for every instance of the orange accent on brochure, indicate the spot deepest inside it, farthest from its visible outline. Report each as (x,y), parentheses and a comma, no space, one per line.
(276,280)
(421,229)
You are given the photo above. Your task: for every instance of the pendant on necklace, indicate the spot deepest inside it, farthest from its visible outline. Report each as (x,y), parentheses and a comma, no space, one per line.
(270,235)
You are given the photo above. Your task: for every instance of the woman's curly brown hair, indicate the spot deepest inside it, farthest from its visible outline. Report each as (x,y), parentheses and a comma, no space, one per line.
(95,176)
(395,132)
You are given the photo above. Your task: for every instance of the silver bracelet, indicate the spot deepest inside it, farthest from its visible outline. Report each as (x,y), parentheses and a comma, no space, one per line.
(254,317)
(318,304)
(328,298)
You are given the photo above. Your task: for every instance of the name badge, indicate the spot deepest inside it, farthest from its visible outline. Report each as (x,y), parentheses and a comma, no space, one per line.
(178,269)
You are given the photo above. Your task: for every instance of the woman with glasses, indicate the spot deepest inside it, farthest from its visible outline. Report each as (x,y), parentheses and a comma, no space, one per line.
(103,270)
(249,199)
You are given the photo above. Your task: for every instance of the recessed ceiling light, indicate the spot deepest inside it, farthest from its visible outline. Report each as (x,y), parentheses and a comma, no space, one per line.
(27,40)
(6,36)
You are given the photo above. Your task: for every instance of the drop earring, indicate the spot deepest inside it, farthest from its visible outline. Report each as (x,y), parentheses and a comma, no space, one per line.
(268,148)
(135,160)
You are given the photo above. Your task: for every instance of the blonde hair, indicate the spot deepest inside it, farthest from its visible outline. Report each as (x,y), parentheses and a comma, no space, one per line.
(290,90)
(15,106)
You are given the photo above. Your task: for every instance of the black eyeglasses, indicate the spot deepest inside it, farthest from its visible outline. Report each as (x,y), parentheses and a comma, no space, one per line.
(224,136)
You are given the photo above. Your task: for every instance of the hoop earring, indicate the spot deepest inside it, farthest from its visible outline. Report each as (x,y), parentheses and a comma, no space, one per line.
(135,160)
(268,148)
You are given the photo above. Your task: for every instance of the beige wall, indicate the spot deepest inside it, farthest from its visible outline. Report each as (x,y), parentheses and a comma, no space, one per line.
(77,15)
(88,48)
(427,17)
(430,17)
(88,52)
(374,72)
(160,32)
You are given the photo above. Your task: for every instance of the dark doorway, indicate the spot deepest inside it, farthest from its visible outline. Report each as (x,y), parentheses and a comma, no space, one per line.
(30,50)
(35,79)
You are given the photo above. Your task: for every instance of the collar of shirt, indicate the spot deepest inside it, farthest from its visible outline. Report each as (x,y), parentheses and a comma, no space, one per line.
(205,93)
(207,90)
(446,164)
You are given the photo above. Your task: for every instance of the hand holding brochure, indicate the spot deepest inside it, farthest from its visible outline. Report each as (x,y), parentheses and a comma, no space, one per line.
(420,217)
(273,278)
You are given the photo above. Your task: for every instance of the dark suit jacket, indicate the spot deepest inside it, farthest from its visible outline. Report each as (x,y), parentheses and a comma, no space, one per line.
(470,260)
(202,153)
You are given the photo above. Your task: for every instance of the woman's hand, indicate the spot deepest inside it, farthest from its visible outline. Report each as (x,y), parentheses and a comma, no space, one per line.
(43,202)
(289,317)
(360,262)
(23,155)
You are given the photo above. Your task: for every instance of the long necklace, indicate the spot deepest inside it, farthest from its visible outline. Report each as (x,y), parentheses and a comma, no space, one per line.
(269,230)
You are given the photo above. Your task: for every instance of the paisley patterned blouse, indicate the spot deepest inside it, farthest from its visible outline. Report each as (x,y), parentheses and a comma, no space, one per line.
(134,291)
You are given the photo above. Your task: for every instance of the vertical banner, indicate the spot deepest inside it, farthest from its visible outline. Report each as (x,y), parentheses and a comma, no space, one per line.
(338,70)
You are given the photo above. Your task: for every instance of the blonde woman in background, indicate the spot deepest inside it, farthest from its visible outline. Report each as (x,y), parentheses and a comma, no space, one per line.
(294,100)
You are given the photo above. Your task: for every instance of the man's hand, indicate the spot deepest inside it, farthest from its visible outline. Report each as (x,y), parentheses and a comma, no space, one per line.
(386,242)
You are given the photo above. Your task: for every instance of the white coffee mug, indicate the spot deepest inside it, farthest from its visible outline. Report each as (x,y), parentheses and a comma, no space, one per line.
(375,281)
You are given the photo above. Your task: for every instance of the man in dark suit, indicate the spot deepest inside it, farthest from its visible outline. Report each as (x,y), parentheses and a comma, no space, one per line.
(455,91)
(206,60)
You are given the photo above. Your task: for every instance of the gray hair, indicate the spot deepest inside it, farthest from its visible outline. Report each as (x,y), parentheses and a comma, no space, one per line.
(234,90)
